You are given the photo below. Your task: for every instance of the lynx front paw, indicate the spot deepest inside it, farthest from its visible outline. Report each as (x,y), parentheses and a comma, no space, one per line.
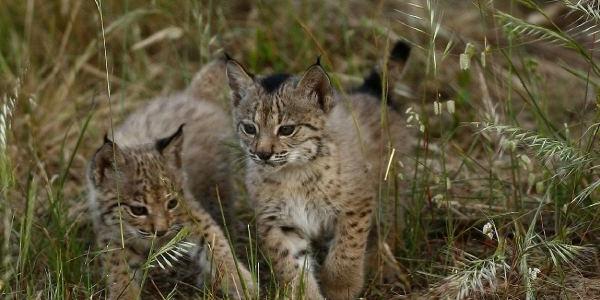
(338,284)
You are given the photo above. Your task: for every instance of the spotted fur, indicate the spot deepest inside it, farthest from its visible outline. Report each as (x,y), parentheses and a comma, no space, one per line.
(205,150)
(145,187)
(313,160)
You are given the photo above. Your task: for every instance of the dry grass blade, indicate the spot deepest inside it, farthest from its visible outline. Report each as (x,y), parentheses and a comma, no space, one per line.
(171,252)
(472,277)
(522,29)
(572,256)
(548,150)
(590,9)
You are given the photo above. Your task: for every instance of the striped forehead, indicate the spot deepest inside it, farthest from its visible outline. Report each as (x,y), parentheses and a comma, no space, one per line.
(270,109)
(152,182)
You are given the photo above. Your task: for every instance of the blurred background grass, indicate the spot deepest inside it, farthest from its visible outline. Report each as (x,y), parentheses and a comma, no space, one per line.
(529,65)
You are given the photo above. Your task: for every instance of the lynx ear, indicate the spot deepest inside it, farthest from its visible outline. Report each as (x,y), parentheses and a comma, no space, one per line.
(239,80)
(108,162)
(315,84)
(171,147)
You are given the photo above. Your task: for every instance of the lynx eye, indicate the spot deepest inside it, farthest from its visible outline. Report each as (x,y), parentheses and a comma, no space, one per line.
(249,129)
(172,203)
(138,210)
(286,130)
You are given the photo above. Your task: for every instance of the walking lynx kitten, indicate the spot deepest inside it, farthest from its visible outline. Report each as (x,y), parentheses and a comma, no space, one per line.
(311,174)
(139,195)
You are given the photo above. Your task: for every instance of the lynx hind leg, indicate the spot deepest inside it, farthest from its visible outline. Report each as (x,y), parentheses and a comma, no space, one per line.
(383,268)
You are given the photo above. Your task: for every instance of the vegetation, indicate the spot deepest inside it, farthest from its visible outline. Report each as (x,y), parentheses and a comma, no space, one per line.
(498,200)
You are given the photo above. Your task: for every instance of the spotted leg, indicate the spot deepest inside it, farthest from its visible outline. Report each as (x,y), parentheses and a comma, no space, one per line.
(342,273)
(288,252)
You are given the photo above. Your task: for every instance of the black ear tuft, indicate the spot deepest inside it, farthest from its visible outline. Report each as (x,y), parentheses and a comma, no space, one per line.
(400,51)
(106,139)
(163,143)
(318,63)
(227,56)
(315,81)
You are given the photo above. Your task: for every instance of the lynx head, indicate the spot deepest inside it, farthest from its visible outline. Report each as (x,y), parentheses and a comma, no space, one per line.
(140,186)
(280,119)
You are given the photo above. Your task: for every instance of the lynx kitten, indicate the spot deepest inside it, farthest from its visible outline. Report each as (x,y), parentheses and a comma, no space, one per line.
(312,168)
(140,198)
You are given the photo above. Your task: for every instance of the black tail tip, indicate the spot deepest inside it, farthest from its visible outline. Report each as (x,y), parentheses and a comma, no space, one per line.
(400,51)
(372,84)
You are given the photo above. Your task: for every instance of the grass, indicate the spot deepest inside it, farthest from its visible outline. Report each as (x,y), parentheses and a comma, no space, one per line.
(517,152)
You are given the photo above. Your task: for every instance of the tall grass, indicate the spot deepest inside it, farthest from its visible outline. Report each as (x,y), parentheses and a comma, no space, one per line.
(507,208)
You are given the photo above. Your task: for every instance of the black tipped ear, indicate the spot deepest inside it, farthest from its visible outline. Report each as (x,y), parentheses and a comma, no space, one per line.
(108,162)
(239,80)
(315,83)
(106,139)
(171,147)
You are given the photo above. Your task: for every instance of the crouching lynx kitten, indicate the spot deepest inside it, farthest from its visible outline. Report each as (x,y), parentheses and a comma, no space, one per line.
(308,172)
(140,200)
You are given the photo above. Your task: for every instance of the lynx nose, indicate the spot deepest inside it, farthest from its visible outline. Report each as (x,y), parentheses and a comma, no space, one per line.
(264,155)
(160,226)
